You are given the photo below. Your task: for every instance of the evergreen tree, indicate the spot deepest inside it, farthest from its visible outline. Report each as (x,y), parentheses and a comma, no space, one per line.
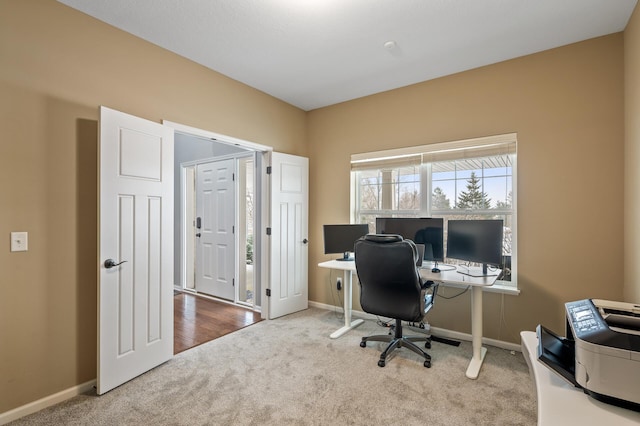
(440,200)
(473,198)
(506,204)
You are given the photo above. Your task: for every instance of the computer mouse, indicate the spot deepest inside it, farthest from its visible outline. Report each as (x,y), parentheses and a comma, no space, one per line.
(435,270)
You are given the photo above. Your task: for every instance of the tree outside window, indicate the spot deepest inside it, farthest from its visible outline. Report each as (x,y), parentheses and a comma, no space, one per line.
(470,188)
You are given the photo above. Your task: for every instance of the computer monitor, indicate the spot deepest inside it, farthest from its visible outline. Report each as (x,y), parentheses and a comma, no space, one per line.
(421,230)
(475,240)
(341,238)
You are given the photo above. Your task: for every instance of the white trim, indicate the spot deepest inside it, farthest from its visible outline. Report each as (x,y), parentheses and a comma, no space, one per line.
(486,141)
(193,131)
(260,230)
(233,156)
(46,402)
(514,219)
(440,332)
(187,257)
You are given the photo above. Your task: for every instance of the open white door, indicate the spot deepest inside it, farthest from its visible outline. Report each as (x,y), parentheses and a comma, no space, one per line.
(135,303)
(289,290)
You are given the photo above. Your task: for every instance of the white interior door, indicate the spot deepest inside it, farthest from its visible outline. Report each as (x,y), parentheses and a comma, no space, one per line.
(135,303)
(215,226)
(289,290)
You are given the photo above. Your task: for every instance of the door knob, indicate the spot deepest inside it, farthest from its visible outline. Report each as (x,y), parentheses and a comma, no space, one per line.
(305,241)
(198,234)
(110,263)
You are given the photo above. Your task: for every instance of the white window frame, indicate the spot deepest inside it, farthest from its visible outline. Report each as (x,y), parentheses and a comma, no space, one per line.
(505,144)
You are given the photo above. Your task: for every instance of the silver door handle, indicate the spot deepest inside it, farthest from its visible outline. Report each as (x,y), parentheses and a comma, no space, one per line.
(110,263)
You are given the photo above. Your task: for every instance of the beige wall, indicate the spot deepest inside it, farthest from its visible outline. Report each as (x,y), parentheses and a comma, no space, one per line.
(632,158)
(56,67)
(566,105)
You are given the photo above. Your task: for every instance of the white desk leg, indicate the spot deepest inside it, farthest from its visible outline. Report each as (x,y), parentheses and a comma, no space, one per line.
(348,297)
(476,333)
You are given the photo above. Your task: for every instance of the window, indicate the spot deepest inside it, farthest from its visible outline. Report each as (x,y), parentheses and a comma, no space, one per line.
(470,179)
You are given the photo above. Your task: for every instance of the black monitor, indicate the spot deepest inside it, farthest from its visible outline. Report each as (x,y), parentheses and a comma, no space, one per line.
(421,230)
(341,238)
(475,240)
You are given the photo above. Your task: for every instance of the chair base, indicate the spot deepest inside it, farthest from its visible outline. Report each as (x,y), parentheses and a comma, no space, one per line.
(397,340)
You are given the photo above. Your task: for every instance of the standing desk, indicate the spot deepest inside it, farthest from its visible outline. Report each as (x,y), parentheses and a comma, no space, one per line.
(349,268)
(476,283)
(444,277)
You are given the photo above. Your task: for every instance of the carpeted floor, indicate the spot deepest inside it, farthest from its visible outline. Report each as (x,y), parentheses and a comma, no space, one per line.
(289,372)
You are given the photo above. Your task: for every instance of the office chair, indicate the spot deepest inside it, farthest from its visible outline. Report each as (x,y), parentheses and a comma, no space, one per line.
(390,286)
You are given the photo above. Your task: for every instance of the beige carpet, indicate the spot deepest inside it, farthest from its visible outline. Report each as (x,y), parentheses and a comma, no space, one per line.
(289,372)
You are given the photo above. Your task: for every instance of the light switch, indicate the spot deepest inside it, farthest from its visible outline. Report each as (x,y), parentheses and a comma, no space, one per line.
(19,241)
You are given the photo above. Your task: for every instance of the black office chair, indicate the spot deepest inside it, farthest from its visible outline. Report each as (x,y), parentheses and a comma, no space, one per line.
(390,286)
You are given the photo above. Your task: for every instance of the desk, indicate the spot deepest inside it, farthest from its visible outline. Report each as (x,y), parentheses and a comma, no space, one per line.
(476,283)
(349,268)
(560,403)
(444,277)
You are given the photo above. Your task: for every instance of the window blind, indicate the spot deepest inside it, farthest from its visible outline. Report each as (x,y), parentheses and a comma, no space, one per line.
(444,151)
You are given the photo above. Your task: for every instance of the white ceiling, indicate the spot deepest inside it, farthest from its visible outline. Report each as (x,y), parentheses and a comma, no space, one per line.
(314,53)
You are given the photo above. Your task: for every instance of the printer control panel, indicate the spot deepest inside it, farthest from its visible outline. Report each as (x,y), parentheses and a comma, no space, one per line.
(584,317)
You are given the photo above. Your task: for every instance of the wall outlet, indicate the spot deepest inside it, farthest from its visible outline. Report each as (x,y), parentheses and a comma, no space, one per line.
(338,283)
(19,241)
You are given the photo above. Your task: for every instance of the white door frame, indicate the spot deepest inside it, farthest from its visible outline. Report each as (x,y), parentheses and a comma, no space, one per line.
(187,233)
(262,157)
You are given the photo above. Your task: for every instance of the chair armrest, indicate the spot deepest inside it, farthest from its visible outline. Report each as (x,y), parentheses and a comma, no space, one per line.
(427,284)
(429,291)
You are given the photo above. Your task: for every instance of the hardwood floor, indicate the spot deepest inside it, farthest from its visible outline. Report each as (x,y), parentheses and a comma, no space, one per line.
(197,320)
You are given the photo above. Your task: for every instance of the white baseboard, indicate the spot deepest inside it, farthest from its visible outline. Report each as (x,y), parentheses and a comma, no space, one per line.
(45,402)
(436,331)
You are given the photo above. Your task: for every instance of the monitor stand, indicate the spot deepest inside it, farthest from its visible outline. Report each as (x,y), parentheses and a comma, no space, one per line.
(475,272)
(345,257)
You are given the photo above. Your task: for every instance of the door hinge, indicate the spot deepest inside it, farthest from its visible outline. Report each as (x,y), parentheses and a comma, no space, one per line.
(268,292)
(233,229)
(268,170)
(233,177)
(233,282)
(268,231)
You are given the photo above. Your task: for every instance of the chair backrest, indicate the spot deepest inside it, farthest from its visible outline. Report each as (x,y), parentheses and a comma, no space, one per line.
(390,284)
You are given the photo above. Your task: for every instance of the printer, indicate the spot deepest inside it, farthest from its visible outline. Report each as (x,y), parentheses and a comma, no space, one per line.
(601,350)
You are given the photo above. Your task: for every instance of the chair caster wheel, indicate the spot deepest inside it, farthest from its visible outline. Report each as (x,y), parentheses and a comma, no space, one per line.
(427,364)
(381,363)
(363,344)
(427,345)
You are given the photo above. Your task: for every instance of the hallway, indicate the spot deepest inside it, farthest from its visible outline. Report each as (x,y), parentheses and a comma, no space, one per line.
(198,320)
